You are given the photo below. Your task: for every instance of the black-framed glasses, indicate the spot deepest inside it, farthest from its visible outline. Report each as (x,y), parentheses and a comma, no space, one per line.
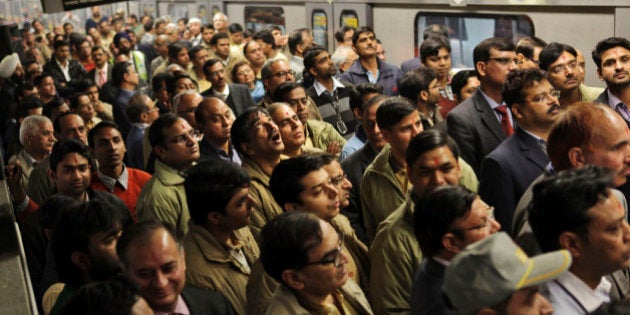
(484,225)
(283,74)
(504,61)
(333,258)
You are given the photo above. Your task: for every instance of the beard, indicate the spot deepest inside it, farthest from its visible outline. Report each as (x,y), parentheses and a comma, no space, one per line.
(124,50)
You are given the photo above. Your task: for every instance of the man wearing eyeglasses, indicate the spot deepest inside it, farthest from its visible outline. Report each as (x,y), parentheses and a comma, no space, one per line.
(612,57)
(481,122)
(305,254)
(235,95)
(510,168)
(563,72)
(421,87)
(446,221)
(175,145)
(432,160)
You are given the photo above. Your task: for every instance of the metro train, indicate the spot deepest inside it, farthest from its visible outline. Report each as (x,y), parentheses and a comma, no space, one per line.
(397,23)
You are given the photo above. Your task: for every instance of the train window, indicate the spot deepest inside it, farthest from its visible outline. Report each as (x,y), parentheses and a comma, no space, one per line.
(468,30)
(258,18)
(319,25)
(349,18)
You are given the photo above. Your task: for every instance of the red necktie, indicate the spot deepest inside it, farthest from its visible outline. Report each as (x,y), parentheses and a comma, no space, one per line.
(505,120)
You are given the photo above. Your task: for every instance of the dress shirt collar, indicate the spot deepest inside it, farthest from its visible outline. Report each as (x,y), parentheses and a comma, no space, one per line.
(588,298)
(180,308)
(320,88)
(613,101)
(110,182)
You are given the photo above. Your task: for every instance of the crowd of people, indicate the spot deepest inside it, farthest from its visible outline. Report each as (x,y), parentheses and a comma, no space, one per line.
(171,167)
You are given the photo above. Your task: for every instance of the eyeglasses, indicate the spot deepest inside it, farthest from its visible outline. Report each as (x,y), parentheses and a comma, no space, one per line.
(504,61)
(336,181)
(283,74)
(554,95)
(183,139)
(335,260)
(486,224)
(563,68)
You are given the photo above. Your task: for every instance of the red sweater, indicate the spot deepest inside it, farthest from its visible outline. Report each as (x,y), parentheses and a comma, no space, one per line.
(137,180)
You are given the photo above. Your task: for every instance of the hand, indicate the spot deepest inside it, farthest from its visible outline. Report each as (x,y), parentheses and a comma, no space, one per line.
(334,148)
(13,172)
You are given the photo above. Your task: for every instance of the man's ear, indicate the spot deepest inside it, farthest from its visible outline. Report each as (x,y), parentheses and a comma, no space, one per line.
(159,151)
(290,206)
(423,96)
(576,157)
(247,148)
(357,113)
(571,242)
(214,217)
(451,243)
(312,71)
(81,260)
(51,175)
(481,68)
(385,134)
(516,111)
(292,279)
(599,73)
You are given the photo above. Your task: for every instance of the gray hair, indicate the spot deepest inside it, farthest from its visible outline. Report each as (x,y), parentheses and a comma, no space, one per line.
(265,72)
(30,126)
(341,55)
(180,95)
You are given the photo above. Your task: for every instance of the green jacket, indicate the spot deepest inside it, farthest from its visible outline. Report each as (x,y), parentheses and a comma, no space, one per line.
(589,93)
(395,256)
(323,133)
(211,266)
(266,208)
(380,192)
(164,198)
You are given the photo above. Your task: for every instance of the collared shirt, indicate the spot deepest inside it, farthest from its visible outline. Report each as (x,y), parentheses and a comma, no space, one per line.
(614,102)
(442,261)
(494,105)
(65,69)
(320,88)
(222,95)
(180,308)
(206,148)
(372,78)
(570,295)
(30,160)
(110,182)
(542,143)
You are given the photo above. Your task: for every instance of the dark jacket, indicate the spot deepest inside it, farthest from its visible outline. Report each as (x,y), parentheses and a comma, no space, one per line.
(76,71)
(239,99)
(201,301)
(388,76)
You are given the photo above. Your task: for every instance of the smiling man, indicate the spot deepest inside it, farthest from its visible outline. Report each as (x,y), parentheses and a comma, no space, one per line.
(510,168)
(175,145)
(304,253)
(153,258)
(220,246)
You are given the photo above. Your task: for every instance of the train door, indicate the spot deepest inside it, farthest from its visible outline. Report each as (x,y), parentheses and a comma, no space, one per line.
(319,17)
(351,14)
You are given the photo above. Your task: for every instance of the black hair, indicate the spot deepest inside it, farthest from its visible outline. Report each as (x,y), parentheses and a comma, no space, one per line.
(517,82)
(285,179)
(280,93)
(116,296)
(392,111)
(174,49)
(428,140)
(118,72)
(241,129)
(156,130)
(296,38)
(310,55)
(266,36)
(96,129)
(607,44)
(215,39)
(552,52)
(435,30)
(416,81)
(235,28)
(359,31)
(527,45)
(459,81)
(142,231)
(481,53)
(431,47)
(341,32)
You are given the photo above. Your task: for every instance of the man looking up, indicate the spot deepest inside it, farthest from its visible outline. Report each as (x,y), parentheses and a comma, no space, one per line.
(175,145)
(483,121)
(220,247)
(612,56)
(510,168)
(432,160)
(257,138)
(420,87)
(126,79)
(153,258)
(368,68)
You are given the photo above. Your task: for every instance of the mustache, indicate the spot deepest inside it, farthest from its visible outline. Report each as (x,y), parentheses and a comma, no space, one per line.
(553,107)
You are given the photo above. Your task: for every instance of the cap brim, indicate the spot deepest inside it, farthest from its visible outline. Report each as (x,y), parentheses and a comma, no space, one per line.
(545,267)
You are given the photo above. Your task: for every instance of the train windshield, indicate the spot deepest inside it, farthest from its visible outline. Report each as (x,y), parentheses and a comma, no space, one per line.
(467,30)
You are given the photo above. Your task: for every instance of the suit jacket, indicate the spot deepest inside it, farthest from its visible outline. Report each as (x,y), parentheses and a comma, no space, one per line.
(603,98)
(354,166)
(410,64)
(76,71)
(507,172)
(92,73)
(134,142)
(239,99)
(475,128)
(201,301)
(426,295)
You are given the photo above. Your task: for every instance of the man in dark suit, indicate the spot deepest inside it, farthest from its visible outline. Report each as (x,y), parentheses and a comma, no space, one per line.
(441,221)
(66,72)
(236,96)
(125,78)
(481,122)
(508,170)
(154,259)
(609,57)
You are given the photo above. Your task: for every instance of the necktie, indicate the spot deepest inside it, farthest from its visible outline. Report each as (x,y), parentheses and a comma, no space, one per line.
(102,78)
(505,121)
(622,109)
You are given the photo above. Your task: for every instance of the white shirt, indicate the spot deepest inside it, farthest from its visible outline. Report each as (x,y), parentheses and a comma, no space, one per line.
(320,88)
(568,294)
(65,70)
(222,95)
